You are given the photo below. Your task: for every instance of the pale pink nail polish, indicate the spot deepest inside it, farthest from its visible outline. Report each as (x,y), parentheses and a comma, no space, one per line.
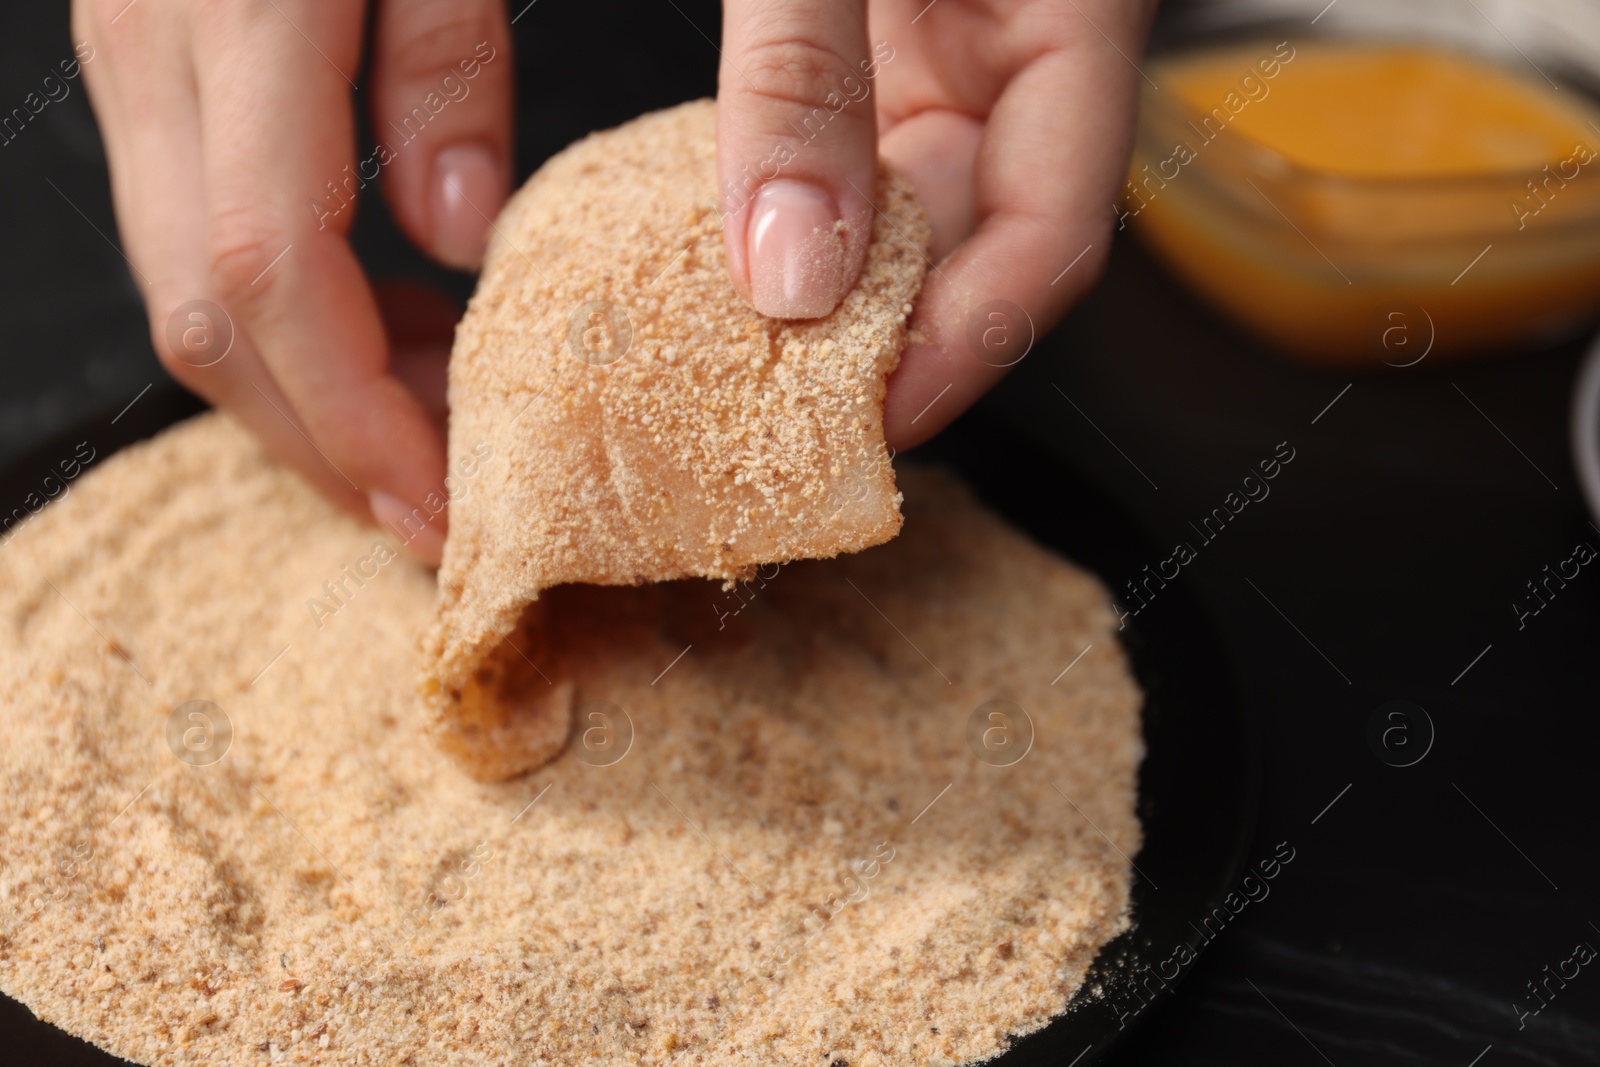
(796,257)
(468,191)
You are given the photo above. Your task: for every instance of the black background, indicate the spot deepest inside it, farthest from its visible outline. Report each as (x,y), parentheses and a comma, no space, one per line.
(1391,549)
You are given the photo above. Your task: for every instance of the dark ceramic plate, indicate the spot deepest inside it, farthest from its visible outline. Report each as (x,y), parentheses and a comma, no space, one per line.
(1197,787)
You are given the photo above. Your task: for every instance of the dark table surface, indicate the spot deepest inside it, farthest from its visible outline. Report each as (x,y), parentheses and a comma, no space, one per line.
(1383,566)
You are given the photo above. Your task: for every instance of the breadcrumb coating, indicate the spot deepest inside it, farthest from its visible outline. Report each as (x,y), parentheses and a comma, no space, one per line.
(644,422)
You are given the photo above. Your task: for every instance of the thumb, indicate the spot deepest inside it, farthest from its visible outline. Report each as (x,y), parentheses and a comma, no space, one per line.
(797,156)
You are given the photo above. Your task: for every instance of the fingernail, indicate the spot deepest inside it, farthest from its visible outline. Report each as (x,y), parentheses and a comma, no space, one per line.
(796,258)
(468,191)
(416,528)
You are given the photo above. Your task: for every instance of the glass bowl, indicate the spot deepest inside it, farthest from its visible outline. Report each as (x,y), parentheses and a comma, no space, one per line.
(1348,269)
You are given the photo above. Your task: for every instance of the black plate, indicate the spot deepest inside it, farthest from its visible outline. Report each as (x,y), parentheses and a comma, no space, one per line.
(1197,787)
(1199,781)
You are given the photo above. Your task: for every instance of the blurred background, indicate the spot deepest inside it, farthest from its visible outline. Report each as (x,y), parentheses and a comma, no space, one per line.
(1392,560)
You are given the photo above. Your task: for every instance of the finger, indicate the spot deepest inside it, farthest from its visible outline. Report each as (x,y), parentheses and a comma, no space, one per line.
(938,151)
(277,127)
(158,191)
(420,322)
(797,151)
(442,89)
(1038,245)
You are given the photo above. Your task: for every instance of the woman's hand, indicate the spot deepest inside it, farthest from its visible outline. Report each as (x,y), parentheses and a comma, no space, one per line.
(229,130)
(230,135)
(1013,120)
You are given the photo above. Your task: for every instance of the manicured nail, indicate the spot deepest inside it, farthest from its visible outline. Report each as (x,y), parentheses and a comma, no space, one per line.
(468,191)
(416,528)
(796,258)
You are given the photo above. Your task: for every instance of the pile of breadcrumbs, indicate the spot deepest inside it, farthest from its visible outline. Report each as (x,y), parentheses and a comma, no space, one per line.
(335,890)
